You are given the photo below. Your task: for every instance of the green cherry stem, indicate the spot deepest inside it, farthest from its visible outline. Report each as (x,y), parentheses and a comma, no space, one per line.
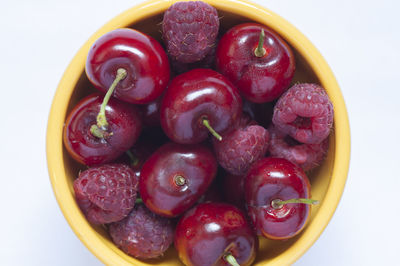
(133,158)
(138,201)
(260,50)
(179,180)
(231,259)
(98,130)
(206,123)
(277,203)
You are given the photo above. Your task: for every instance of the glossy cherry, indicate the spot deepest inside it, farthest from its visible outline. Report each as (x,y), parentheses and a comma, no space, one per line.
(143,58)
(175,176)
(105,144)
(139,153)
(199,102)
(260,67)
(233,190)
(213,193)
(151,113)
(213,234)
(268,184)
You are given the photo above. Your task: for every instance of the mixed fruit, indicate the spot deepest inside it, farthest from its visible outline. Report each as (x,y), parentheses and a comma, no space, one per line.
(208,159)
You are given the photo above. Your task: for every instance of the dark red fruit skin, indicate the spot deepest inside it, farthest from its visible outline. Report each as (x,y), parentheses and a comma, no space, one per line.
(196,94)
(233,190)
(151,113)
(190,30)
(241,147)
(209,231)
(259,79)
(213,193)
(259,112)
(141,151)
(139,54)
(307,156)
(143,234)
(276,178)
(158,189)
(124,123)
(106,193)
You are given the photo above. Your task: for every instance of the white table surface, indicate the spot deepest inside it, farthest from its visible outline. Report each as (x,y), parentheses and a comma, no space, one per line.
(359,39)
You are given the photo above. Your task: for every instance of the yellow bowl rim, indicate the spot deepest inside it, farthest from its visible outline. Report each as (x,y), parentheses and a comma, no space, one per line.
(54,145)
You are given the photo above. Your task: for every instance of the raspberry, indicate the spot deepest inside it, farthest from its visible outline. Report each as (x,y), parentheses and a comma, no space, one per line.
(241,147)
(106,193)
(207,62)
(305,113)
(190,30)
(307,156)
(143,234)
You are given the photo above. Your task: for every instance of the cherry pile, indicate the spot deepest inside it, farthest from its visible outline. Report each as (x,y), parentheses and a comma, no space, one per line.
(204,143)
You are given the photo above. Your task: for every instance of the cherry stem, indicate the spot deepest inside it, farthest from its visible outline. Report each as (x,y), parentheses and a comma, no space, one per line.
(133,158)
(179,180)
(260,50)
(277,203)
(231,259)
(206,123)
(138,201)
(102,124)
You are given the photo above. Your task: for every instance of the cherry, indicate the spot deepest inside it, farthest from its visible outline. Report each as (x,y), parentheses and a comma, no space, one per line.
(175,176)
(151,113)
(215,234)
(233,190)
(95,135)
(212,194)
(277,195)
(257,60)
(139,153)
(141,56)
(198,102)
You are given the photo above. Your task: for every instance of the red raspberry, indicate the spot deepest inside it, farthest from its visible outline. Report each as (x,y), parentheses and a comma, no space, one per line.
(207,62)
(307,156)
(106,193)
(305,113)
(190,30)
(143,234)
(240,148)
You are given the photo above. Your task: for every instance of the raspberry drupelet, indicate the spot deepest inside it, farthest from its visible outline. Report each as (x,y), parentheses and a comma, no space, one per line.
(143,234)
(190,30)
(106,193)
(305,113)
(240,148)
(307,156)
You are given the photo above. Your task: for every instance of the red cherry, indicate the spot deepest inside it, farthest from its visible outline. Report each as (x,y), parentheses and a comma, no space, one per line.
(198,102)
(233,190)
(143,58)
(260,67)
(175,176)
(151,113)
(213,193)
(122,130)
(213,234)
(269,183)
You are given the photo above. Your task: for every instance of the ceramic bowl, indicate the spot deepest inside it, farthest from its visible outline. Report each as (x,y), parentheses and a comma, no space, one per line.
(327,181)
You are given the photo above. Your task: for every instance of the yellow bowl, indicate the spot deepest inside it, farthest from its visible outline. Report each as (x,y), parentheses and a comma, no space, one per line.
(327,181)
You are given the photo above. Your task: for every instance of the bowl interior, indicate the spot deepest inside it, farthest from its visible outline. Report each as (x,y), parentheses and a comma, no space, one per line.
(327,181)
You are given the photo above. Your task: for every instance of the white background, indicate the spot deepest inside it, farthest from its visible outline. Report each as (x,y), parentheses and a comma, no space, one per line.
(360,40)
